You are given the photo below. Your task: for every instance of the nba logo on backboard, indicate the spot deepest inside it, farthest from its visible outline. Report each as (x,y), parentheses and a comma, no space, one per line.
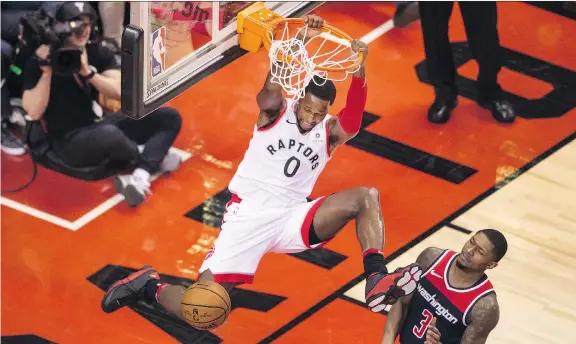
(158,51)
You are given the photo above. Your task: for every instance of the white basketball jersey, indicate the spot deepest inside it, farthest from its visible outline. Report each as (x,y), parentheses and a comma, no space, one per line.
(281,164)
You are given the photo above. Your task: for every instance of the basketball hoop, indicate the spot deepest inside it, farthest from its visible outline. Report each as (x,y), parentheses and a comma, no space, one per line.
(294,61)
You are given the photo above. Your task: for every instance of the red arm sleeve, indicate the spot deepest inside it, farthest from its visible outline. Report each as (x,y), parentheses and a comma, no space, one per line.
(351,116)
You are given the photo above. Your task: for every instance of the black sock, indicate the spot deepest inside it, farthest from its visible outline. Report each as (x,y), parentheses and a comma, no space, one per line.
(312,236)
(151,290)
(374,262)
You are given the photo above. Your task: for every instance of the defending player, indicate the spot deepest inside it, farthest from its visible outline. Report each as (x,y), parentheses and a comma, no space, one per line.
(268,212)
(455,291)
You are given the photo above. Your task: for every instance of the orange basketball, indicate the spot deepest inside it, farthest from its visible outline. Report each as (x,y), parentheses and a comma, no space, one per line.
(205,305)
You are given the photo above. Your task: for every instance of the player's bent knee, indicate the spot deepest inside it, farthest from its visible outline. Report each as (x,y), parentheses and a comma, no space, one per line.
(359,198)
(369,193)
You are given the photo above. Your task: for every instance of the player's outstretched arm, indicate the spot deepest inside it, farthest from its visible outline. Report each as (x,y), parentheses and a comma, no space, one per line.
(270,99)
(347,124)
(483,319)
(397,314)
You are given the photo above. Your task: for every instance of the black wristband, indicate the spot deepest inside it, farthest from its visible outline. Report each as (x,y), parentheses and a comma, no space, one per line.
(91,75)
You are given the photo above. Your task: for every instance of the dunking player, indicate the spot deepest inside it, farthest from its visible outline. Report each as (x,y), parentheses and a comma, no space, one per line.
(454,295)
(268,212)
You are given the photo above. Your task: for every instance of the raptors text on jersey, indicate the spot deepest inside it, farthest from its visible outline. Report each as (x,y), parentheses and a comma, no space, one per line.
(281,165)
(435,297)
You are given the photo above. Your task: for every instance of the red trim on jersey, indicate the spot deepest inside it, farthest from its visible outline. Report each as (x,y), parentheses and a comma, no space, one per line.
(350,117)
(308,222)
(436,261)
(277,118)
(471,305)
(328,139)
(460,298)
(233,278)
(233,199)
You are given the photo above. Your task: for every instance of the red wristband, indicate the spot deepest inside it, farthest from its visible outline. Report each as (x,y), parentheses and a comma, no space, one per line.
(350,117)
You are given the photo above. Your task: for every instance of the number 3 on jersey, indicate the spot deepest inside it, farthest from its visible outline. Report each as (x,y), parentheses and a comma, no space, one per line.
(419,331)
(291,167)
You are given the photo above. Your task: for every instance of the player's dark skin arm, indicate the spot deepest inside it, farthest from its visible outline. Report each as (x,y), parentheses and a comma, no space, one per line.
(270,101)
(482,320)
(395,319)
(399,310)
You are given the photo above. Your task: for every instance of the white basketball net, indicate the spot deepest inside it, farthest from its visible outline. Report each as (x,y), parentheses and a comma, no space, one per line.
(297,66)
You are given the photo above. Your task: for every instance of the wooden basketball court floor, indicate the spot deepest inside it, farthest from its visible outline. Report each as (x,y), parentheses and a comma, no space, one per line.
(64,241)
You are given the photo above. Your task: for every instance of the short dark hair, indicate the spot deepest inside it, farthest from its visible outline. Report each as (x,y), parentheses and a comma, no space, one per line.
(322,88)
(498,241)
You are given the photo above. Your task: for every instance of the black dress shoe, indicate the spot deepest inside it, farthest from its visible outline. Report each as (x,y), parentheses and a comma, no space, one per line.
(440,110)
(501,110)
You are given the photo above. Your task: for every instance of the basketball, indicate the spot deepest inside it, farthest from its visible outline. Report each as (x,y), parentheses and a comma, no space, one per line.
(205,305)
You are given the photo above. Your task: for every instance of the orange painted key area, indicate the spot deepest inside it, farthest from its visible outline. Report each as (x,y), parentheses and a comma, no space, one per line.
(45,267)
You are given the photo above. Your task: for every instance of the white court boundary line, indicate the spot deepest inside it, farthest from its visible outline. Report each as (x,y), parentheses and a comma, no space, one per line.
(86,218)
(114,200)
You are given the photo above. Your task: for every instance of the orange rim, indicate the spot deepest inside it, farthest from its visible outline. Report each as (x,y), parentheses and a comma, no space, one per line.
(325,28)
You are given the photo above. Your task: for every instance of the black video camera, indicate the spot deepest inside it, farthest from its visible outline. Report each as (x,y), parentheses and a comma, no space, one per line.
(40,28)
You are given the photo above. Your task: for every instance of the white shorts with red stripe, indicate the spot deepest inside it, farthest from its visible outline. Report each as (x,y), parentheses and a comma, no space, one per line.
(248,233)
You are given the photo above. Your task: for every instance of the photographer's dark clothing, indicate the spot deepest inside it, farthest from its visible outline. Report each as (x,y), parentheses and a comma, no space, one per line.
(6,61)
(71,98)
(480,21)
(117,136)
(78,135)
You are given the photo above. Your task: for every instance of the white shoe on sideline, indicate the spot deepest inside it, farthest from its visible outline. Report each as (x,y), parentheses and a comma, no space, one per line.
(171,162)
(133,188)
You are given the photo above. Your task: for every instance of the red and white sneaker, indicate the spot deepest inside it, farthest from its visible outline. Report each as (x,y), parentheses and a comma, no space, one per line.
(385,289)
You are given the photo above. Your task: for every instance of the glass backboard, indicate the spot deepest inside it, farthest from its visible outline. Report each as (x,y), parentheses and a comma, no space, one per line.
(170,43)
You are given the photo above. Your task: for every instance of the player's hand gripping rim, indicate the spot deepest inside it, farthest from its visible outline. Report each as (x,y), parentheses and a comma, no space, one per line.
(313,23)
(359,47)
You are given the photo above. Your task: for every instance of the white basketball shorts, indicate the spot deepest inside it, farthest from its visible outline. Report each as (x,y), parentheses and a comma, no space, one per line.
(248,233)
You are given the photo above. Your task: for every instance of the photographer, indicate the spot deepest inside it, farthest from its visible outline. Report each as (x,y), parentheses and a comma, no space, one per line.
(67,104)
